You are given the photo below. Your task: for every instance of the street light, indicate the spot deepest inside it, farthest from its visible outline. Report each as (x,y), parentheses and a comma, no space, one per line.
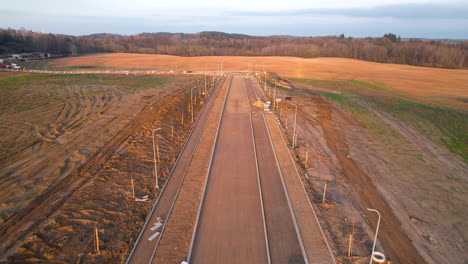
(376,232)
(295,122)
(274,98)
(154,158)
(204,93)
(191,101)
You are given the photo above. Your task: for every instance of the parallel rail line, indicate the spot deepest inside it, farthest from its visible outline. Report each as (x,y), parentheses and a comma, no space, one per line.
(310,203)
(301,243)
(208,173)
(258,175)
(210,103)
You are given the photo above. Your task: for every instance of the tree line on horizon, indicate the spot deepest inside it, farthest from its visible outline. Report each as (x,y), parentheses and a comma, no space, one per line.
(387,49)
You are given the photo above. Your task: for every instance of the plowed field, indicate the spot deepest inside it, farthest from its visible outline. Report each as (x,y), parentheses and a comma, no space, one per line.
(443,86)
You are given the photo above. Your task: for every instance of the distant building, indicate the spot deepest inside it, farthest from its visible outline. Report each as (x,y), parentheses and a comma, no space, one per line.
(30,56)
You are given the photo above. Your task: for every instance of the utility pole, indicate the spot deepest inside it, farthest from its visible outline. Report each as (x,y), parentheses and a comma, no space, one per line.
(350,244)
(205,83)
(324,193)
(182,118)
(154,158)
(274,98)
(172,135)
(191,101)
(295,123)
(96,233)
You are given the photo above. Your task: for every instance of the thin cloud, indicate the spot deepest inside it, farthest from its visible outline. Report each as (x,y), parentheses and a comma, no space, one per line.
(401,11)
(409,20)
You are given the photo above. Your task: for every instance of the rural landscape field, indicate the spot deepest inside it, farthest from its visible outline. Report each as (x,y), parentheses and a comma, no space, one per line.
(205,132)
(85,136)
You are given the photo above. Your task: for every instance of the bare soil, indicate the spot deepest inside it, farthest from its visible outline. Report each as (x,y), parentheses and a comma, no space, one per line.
(87,167)
(367,157)
(443,86)
(418,186)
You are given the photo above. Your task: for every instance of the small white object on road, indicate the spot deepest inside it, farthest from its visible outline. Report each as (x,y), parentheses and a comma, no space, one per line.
(156,226)
(153,236)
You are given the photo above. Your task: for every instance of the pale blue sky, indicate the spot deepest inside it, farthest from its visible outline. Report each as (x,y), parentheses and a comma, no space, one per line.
(414,18)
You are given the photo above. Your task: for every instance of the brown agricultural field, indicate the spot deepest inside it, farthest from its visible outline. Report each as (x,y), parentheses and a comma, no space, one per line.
(70,144)
(387,136)
(441,86)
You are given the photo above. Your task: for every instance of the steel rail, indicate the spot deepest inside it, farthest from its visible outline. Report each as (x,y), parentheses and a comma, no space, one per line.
(258,176)
(217,88)
(208,173)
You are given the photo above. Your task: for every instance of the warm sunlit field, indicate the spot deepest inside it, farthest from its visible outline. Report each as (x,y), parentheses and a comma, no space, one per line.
(363,124)
(444,86)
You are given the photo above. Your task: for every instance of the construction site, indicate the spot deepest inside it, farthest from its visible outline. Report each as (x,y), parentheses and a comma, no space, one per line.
(239,162)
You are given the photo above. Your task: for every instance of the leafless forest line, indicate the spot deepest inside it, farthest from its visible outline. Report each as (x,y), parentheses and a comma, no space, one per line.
(388,49)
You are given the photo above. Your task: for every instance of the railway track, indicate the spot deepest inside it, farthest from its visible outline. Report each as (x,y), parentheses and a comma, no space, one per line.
(231,195)
(175,183)
(260,128)
(320,233)
(232,200)
(259,188)
(207,178)
(258,176)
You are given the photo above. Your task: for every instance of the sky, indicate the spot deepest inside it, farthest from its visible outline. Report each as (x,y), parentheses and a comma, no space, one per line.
(437,19)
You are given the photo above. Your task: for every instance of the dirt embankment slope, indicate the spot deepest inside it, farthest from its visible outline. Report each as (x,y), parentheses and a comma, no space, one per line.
(369,158)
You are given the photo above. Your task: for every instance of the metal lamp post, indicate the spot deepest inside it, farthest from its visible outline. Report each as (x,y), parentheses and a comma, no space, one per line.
(295,122)
(204,93)
(191,101)
(154,158)
(376,232)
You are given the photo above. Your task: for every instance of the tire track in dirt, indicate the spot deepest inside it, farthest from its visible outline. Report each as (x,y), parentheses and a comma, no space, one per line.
(53,197)
(106,200)
(75,111)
